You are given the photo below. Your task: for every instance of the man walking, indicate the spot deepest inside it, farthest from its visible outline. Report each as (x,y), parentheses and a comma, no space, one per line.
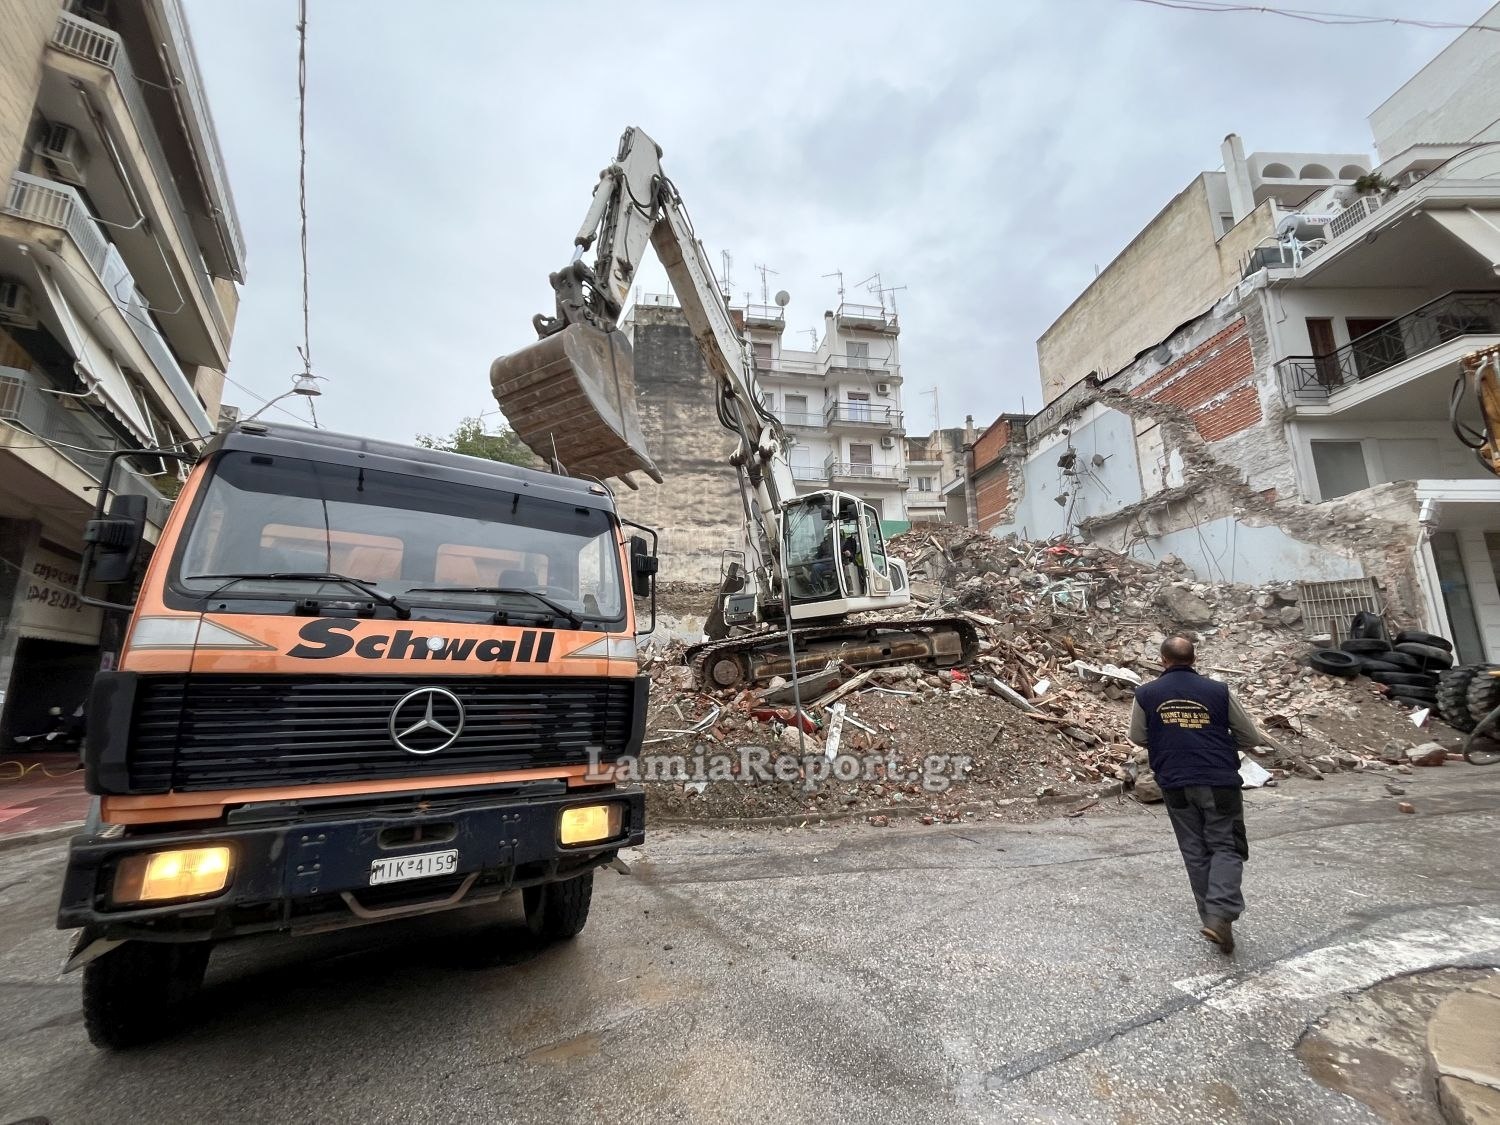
(1192,728)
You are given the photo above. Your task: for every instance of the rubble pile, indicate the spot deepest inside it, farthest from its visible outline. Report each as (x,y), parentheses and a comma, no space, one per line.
(1040,718)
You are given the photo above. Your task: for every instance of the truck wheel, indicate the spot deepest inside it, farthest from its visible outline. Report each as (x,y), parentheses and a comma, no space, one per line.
(556,911)
(138,991)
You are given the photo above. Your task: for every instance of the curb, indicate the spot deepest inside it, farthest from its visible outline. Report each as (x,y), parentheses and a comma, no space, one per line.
(40,835)
(1463,1054)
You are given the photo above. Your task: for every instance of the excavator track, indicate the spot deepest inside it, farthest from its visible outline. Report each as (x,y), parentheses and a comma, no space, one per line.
(939,642)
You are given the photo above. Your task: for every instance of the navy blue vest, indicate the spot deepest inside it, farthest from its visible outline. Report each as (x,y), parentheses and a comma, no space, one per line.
(1187,730)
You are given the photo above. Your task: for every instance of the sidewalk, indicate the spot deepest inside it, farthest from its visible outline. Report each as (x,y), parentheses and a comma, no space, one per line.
(1463,1054)
(40,794)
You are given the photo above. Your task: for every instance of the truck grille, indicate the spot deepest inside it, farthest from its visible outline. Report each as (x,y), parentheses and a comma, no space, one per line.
(217,732)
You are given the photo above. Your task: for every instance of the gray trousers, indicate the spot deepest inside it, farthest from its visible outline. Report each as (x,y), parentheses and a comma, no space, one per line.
(1210,827)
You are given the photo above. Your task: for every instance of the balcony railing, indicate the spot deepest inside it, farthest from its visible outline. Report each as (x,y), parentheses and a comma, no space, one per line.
(1461,313)
(87,40)
(799,419)
(918,498)
(866,314)
(882,368)
(75,431)
(810,472)
(862,414)
(764,314)
(57,205)
(864,472)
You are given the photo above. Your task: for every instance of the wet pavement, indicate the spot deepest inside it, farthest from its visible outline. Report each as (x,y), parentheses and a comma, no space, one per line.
(1047,972)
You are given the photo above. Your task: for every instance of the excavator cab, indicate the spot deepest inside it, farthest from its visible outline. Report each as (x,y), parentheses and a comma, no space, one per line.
(571,398)
(835,551)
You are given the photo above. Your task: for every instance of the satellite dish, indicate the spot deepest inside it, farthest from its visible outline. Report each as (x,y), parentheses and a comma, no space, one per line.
(783,298)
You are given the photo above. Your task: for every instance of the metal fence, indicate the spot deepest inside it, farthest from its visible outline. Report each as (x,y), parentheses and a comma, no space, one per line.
(1460,313)
(1328,607)
(863,413)
(864,472)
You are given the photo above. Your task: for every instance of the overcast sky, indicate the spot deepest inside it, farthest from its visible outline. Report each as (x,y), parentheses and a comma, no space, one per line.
(985,156)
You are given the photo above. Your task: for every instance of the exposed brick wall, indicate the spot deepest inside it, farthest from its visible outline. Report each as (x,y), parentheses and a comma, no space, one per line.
(1214,384)
(992,497)
(988,445)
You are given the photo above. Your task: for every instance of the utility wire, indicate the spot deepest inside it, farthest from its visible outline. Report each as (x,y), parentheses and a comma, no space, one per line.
(1330,19)
(306,349)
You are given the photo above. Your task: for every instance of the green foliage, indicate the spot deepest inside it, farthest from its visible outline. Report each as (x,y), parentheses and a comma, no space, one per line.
(1373,183)
(473,440)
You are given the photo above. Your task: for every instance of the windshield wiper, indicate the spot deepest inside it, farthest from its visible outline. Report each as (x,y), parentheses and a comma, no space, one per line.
(554,606)
(403,611)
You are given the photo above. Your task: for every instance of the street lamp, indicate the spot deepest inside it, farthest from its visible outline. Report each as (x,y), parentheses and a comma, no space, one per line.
(304,384)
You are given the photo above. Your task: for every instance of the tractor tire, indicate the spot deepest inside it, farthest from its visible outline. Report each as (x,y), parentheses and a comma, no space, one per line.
(1433,659)
(139,991)
(1418,637)
(1483,697)
(558,911)
(1453,697)
(1335,662)
(1364,646)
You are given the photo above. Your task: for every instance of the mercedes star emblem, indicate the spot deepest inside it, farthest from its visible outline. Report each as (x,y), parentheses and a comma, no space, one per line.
(427,720)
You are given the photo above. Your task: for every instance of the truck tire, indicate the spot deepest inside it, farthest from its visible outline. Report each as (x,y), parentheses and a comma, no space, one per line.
(1432,658)
(138,991)
(1453,697)
(1420,637)
(1335,662)
(1405,679)
(1364,646)
(1484,696)
(1370,665)
(558,911)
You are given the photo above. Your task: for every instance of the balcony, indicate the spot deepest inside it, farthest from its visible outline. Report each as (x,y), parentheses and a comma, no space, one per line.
(864,415)
(765,316)
(798,420)
(844,470)
(917,498)
(83,39)
(869,318)
(1457,316)
(59,206)
(810,473)
(73,431)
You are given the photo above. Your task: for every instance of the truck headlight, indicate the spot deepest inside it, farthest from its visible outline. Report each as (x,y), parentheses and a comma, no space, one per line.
(180,873)
(586,824)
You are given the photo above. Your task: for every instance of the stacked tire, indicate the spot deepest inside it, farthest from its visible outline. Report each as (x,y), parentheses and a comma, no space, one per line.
(1409,668)
(1467,694)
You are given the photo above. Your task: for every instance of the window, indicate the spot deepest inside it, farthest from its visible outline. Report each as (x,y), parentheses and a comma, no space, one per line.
(1340,468)
(859,353)
(1226,223)
(924,484)
(796,410)
(861,457)
(857,409)
(762,356)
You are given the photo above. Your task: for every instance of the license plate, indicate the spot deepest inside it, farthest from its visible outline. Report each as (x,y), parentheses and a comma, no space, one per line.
(398,869)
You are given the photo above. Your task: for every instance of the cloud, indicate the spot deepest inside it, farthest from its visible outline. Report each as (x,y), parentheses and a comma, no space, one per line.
(984,157)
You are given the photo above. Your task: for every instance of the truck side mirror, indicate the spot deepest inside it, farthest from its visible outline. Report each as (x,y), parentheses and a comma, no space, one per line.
(112,542)
(643,566)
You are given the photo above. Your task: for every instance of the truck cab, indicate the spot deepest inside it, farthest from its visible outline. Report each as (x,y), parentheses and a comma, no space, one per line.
(360,681)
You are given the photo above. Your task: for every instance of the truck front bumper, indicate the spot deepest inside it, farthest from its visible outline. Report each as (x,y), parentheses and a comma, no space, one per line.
(315,873)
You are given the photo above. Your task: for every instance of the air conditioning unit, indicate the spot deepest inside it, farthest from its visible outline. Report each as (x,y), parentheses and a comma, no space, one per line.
(62,146)
(16,306)
(883,389)
(887,443)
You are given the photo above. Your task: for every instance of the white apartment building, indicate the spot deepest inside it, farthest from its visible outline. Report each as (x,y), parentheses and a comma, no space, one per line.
(120,255)
(840,403)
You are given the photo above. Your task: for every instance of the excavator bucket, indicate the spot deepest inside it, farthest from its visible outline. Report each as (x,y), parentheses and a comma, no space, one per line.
(571,398)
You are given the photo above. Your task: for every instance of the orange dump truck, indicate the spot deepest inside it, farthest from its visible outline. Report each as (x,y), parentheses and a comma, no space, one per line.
(360,681)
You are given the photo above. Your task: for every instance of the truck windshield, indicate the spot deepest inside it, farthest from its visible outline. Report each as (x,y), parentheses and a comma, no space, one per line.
(436,545)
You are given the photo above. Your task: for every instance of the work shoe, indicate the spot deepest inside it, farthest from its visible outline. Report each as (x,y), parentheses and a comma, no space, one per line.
(1220,932)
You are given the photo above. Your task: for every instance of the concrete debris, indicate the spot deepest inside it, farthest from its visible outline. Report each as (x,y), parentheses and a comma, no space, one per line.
(1066,634)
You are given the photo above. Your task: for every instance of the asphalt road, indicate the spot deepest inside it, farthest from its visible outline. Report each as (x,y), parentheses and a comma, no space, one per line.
(1050,972)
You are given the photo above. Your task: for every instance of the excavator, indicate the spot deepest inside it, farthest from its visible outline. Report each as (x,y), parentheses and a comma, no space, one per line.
(810,562)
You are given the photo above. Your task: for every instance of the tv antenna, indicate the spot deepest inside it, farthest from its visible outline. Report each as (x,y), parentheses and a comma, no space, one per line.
(812,334)
(765,286)
(872,285)
(840,275)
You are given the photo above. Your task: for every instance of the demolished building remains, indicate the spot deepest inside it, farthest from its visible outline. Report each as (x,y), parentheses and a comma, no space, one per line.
(1283,409)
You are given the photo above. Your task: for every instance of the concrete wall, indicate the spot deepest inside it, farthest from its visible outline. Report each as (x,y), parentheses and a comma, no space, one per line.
(1174,270)
(1229,550)
(25,27)
(697,508)
(1088,490)
(1394,451)
(1453,98)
